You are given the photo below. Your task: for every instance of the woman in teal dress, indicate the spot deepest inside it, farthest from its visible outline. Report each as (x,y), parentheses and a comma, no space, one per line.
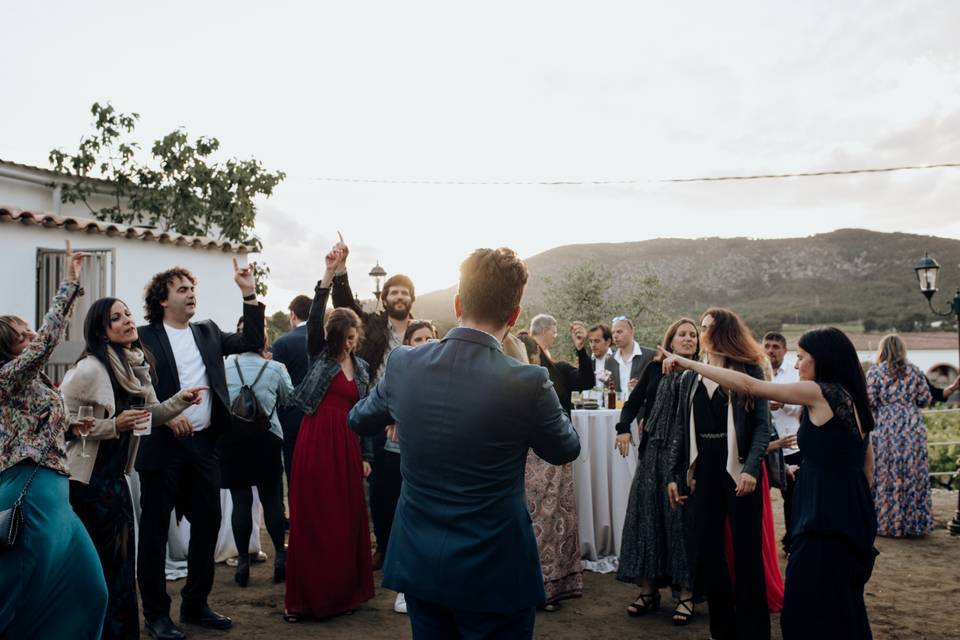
(51,582)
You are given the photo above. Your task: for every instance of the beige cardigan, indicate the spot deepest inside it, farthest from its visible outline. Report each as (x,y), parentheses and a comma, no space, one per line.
(88,383)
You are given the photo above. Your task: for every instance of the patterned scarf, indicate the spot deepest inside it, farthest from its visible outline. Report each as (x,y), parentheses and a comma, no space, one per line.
(126,370)
(660,422)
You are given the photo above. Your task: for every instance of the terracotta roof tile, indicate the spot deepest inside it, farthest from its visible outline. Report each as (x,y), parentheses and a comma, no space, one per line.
(88,225)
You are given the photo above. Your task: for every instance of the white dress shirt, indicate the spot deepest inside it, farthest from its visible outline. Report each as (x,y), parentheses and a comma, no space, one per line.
(625,367)
(787,419)
(192,373)
(598,363)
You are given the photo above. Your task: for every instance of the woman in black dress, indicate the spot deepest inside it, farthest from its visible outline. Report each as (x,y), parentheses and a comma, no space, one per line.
(715,460)
(652,551)
(834,522)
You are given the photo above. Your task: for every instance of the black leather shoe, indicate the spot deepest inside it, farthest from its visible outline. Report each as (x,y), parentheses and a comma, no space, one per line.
(242,576)
(206,617)
(164,629)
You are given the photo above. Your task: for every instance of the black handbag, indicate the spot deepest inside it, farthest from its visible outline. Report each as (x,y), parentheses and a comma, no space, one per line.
(11,520)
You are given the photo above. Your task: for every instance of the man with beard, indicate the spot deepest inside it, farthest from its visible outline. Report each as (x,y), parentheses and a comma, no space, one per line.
(382,333)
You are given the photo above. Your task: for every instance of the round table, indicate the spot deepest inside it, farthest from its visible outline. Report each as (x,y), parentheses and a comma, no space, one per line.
(602,481)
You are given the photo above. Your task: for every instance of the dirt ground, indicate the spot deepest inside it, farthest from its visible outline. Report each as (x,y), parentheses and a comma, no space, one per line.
(914,594)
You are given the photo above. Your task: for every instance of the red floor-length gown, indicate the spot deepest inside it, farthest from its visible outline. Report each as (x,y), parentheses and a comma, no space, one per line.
(328,557)
(771,563)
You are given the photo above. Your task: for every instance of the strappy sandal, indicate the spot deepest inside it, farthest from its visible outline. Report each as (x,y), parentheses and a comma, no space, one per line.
(292,618)
(645,602)
(680,617)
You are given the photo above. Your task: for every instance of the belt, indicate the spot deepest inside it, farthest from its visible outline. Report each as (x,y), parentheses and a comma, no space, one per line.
(713,436)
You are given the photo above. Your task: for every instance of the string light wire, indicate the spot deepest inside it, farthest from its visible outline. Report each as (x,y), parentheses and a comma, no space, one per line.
(565,183)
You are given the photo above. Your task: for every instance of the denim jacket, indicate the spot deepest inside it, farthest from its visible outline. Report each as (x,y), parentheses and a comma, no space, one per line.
(323,369)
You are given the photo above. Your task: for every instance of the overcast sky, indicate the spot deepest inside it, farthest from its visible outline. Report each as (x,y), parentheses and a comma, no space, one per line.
(515,91)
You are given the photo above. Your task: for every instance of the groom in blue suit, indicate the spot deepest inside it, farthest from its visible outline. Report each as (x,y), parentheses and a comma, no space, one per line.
(462,547)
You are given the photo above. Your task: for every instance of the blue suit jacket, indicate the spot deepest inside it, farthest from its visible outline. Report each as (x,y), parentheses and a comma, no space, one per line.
(467,414)
(290,349)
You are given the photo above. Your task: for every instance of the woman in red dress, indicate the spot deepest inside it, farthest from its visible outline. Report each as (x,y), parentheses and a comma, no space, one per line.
(328,557)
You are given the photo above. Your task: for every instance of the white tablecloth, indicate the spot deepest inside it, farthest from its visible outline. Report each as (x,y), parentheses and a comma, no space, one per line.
(602,485)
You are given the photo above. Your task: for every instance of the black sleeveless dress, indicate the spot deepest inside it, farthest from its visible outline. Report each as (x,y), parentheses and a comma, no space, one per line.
(834,527)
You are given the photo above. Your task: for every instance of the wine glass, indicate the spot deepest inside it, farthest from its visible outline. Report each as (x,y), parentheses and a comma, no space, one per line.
(84,413)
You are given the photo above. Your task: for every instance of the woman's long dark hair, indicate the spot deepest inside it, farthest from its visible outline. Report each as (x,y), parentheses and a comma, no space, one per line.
(835,361)
(729,336)
(336,327)
(96,343)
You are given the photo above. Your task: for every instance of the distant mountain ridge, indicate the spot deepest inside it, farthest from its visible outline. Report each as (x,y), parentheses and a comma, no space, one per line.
(844,275)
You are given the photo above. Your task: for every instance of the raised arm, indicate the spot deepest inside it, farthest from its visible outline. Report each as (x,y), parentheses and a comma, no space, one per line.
(21,370)
(806,393)
(341,292)
(583,376)
(316,340)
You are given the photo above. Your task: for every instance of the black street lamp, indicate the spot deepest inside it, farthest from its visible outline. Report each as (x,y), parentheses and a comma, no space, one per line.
(928,270)
(376,273)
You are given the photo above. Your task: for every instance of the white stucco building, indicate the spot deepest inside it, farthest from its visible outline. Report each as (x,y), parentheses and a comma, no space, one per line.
(34,225)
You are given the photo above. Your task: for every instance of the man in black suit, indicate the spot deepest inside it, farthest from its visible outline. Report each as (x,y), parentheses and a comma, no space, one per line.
(178,462)
(629,359)
(290,350)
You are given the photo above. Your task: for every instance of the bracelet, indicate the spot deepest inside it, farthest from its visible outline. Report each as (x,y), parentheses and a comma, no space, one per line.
(250,297)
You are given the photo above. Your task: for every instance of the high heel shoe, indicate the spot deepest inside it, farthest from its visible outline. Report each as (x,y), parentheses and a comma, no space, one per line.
(645,602)
(242,577)
(683,612)
(280,568)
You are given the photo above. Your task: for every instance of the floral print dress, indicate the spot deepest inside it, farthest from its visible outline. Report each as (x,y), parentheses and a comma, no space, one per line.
(901,485)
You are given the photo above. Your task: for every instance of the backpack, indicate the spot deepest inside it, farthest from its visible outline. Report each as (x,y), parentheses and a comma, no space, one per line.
(247,417)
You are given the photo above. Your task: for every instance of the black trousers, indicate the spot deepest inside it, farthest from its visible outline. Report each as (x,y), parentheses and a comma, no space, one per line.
(787,493)
(385,482)
(744,615)
(190,480)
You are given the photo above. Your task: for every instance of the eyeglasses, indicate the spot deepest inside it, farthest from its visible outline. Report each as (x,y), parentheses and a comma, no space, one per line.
(623,319)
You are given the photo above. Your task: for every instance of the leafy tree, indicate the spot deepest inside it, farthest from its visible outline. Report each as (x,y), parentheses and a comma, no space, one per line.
(588,292)
(277,325)
(181,190)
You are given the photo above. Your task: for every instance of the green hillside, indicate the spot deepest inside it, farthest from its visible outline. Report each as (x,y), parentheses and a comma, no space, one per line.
(848,275)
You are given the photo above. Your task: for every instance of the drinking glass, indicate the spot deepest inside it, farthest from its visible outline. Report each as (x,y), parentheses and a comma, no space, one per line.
(140,404)
(84,412)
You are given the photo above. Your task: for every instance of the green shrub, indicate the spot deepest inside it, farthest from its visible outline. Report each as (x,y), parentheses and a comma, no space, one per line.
(943,427)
